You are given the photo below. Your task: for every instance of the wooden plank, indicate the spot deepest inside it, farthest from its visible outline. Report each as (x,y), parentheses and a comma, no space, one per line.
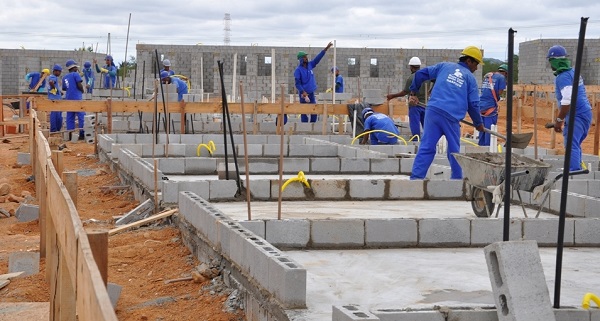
(57,160)
(98,240)
(66,300)
(9,276)
(109,112)
(93,302)
(70,181)
(142,222)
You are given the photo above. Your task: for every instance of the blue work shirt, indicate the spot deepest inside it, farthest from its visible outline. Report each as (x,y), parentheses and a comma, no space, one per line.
(491,81)
(564,87)
(58,95)
(381,122)
(339,84)
(170,71)
(110,80)
(88,75)
(181,87)
(455,92)
(34,78)
(304,76)
(70,86)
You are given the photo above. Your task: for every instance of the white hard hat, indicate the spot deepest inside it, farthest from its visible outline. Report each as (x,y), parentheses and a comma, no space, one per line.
(414,61)
(167,63)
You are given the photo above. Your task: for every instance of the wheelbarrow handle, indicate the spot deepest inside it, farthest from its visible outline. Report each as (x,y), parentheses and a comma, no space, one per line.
(484,129)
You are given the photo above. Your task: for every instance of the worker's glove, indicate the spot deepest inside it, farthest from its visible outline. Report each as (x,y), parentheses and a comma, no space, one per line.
(328,90)
(104,70)
(480,128)
(53,91)
(80,74)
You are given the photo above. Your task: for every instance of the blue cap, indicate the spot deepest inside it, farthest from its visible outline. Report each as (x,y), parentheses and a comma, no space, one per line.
(71,64)
(57,67)
(164,74)
(87,64)
(334,68)
(367,111)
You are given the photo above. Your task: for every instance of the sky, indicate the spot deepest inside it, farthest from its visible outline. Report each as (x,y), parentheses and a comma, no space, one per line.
(433,24)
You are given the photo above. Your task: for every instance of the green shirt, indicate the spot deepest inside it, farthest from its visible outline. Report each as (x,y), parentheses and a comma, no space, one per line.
(422,91)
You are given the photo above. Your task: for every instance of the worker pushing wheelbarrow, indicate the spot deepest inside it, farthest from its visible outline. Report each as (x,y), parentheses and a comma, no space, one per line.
(485,173)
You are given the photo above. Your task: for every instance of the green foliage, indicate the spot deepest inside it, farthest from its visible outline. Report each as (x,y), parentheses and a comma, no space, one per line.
(131,65)
(492,64)
(89,49)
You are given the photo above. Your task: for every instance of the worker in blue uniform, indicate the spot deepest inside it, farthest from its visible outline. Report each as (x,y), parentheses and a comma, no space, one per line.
(339,80)
(385,131)
(305,82)
(181,85)
(560,64)
(88,77)
(72,85)
(167,67)
(455,93)
(109,71)
(55,93)
(35,78)
(492,88)
(416,113)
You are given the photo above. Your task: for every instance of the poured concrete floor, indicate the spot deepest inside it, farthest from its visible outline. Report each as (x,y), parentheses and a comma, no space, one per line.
(401,278)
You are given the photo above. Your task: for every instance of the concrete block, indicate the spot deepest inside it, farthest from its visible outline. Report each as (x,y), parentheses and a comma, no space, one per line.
(288,233)
(347,152)
(143,138)
(200,188)
(287,280)
(225,230)
(329,189)
(255,150)
(337,233)
(385,166)
(406,165)
(27,212)
(267,127)
(594,315)
(170,191)
(23,158)
(434,232)
(200,166)
(571,314)
(391,232)
(293,191)
(304,127)
(472,315)
(325,165)
(114,292)
(172,165)
(404,315)
(594,188)
(444,189)
(518,281)
(294,165)
(325,150)
(264,166)
(260,189)
(367,188)
(301,150)
(28,262)
(586,232)
(592,207)
(406,189)
(576,204)
(545,231)
(485,231)
(222,189)
(354,165)
(256,226)
(176,150)
(274,150)
(352,312)
(192,139)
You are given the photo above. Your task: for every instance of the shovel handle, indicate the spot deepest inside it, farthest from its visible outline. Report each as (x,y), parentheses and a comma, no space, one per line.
(484,129)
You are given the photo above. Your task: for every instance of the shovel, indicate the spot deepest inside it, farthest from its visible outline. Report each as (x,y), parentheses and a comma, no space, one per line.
(517,140)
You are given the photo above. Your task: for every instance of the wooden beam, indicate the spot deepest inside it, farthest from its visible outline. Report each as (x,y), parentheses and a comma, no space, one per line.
(57,160)
(109,116)
(70,181)
(99,245)
(142,222)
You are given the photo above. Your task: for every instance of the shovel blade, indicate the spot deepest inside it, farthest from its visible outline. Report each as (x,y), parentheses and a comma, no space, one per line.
(520,140)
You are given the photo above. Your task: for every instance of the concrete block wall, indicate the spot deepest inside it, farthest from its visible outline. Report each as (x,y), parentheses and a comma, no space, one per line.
(256,258)
(466,314)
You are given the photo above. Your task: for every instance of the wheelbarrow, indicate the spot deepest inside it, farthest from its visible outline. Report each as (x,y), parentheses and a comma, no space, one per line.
(484,174)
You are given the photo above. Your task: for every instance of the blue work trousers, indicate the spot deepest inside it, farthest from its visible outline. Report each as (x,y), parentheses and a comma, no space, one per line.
(488,121)
(55,121)
(71,120)
(580,131)
(416,118)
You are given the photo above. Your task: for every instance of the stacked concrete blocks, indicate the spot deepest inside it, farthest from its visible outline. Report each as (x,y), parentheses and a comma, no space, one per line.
(518,282)
(352,312)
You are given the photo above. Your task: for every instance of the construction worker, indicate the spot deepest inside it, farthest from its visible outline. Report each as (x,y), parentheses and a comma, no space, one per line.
(54,93)
(385,130)
(72,85)
(416,113)
(167,67)
(182,87)
(492,88)
(339,80)
(88,77)
(455,93)
(110,72)
(305,81)
(557,56)
(37,80)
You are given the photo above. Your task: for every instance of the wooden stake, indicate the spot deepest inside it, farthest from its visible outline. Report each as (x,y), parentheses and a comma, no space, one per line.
(155,185)
(142,222)
(535,137)
(99,245)
(597,129)
(109,115)
(281,132)
(246,151)
(57,160)
(70,181)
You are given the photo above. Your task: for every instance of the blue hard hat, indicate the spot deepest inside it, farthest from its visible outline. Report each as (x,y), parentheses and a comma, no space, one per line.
(57,67)
(164,74)
(108,57)
(87,64)
(71,64)
(366,111)
(557,52)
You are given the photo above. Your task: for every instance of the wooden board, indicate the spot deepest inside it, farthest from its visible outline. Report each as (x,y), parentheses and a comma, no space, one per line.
(142,222)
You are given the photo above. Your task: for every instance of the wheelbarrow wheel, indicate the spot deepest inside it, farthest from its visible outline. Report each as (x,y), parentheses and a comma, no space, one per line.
(482,203)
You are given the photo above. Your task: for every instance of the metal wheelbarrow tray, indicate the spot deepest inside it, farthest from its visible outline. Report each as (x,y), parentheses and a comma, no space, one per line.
(484,171)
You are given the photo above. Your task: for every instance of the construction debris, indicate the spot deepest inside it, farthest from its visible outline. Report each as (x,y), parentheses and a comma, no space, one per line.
(142,222)
(196,277)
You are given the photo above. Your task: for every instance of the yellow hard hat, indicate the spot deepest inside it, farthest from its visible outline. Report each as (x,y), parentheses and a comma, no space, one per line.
(46,71)
(474,53)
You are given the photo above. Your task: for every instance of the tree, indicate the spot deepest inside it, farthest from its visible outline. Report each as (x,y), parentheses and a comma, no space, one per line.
(90,49)
(491,65)
(131,65)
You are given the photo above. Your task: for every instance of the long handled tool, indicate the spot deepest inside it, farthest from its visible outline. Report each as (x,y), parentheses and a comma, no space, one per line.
(517,140)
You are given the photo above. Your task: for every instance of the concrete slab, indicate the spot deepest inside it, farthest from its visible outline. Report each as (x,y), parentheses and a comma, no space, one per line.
(18,311)
(28,262)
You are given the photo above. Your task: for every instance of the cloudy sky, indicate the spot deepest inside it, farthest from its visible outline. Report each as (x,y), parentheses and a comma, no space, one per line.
(435,24)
